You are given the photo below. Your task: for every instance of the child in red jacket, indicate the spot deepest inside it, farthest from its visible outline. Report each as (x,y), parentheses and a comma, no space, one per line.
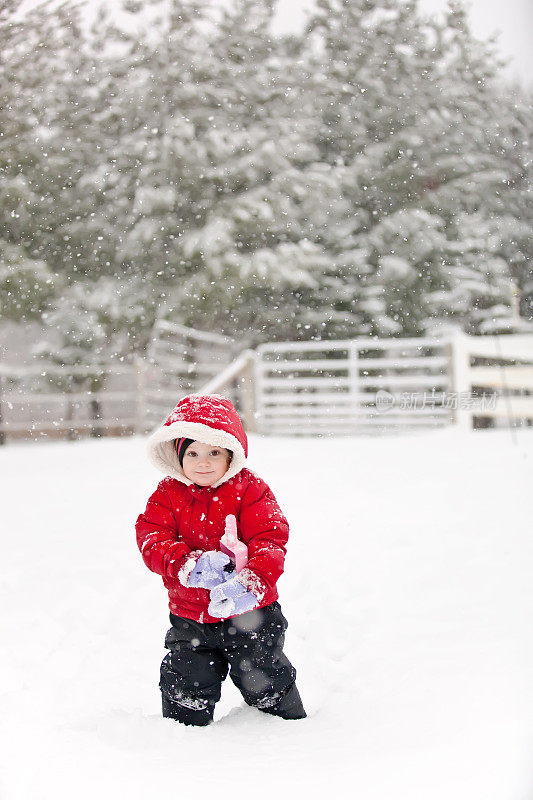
(223,617)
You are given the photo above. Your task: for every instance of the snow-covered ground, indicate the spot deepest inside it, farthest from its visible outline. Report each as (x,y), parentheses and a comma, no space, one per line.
(409,594)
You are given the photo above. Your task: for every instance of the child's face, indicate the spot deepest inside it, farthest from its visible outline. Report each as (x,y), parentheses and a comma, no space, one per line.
(205,464)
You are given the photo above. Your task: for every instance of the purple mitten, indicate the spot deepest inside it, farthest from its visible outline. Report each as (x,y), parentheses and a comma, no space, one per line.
(210,570)
(231,598)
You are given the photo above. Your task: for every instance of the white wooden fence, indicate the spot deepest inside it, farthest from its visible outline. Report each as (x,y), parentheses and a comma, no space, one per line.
(381,385)
(349,386)
(353,386)
(499,366)
(47,400)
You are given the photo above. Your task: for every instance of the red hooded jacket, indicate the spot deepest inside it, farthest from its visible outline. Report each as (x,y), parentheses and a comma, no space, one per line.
(182,519)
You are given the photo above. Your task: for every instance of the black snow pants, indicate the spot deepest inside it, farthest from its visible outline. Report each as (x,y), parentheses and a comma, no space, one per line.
(249,645)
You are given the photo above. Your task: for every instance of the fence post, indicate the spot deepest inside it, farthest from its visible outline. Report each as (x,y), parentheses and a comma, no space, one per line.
(354,388)
(141,368)
(460,379)
(248,393)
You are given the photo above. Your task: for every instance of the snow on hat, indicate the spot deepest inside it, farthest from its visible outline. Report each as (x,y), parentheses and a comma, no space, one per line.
(211,419)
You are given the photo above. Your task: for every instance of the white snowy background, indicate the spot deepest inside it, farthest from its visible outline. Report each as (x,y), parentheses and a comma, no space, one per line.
(511,21)
(407,588)
(408,593)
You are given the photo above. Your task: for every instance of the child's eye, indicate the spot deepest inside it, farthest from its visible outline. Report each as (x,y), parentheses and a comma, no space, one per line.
(215,452)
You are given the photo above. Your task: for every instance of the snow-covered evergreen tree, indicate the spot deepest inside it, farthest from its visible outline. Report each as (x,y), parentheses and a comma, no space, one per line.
(369,176)
(26,285)
(411,117)
(245,245)
(26,281)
